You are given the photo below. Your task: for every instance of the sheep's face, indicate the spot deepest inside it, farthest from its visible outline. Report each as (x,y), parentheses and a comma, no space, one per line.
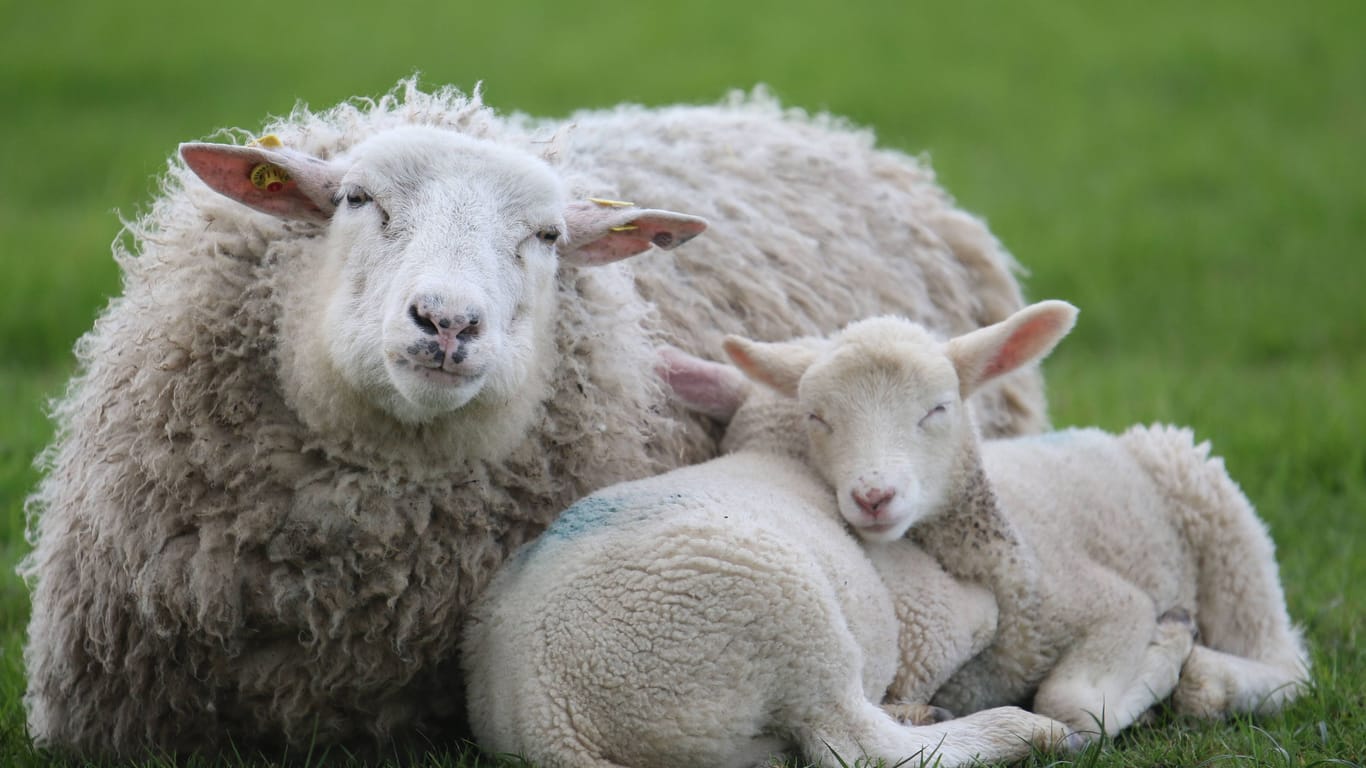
(434,290)
(441,261)
(885,424)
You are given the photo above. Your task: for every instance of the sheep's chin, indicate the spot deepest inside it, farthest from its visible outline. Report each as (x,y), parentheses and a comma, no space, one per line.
(420,395)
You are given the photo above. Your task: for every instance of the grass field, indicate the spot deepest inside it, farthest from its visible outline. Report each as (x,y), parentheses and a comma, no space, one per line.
(1191,175)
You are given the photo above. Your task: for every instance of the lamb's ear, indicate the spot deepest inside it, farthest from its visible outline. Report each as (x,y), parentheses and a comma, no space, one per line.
(604,231)
(1023,338)
(779,365)
(710,388)
(278,181)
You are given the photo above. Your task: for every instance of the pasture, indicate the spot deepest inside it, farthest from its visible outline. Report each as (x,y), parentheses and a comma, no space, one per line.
(1189,174)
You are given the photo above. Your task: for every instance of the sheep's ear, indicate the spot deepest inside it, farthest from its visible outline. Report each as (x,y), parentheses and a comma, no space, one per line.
(604,231)
(779,365)
(278,181)
(1023,338)
(714,389)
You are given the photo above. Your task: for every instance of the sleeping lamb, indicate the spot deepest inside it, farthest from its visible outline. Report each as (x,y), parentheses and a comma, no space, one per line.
(718,615)
(360,360)
(1098,548)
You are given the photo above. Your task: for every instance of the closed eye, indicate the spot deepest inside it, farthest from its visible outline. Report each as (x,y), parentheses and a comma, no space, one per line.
(815,419)
(938,410)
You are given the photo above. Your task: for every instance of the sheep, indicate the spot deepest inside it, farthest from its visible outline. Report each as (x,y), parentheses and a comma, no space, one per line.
(1101,550)
(719,614)
(359,360)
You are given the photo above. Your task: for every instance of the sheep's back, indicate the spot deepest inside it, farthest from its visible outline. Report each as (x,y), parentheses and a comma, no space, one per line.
(810,227)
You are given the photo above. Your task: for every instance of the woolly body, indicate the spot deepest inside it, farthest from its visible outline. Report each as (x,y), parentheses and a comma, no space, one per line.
(1096,548)
(237,538)
(719,614)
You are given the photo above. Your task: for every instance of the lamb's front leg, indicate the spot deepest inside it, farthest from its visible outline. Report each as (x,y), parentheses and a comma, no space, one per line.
(944,622)
(1124,664)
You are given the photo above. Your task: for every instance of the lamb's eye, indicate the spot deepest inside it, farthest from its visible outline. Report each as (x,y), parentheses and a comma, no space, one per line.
(357,198)
(815,419)
(939,409)
(548,235)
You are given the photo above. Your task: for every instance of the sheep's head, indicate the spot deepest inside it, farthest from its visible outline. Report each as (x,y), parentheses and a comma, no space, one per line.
(884,398)
(437,286)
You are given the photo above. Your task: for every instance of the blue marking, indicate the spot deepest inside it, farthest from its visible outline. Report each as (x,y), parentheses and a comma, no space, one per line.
(584,516)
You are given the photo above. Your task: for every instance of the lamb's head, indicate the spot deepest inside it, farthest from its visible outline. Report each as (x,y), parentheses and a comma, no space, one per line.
(435,292)
(884,399)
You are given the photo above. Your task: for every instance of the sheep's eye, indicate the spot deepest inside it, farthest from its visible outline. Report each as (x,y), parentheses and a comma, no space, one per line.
(357,197)
(815,419)
(935,411)
(548,235)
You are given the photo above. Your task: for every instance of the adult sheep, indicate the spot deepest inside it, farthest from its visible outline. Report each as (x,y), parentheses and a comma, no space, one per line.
(357,363)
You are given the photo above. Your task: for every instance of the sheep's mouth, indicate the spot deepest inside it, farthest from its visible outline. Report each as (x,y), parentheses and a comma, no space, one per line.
(455,376)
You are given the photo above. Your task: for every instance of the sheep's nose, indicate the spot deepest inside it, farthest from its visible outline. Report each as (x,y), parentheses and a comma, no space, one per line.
(873,501)
(450,328)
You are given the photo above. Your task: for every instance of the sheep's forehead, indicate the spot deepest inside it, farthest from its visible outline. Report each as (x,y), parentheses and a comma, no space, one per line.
(434,162)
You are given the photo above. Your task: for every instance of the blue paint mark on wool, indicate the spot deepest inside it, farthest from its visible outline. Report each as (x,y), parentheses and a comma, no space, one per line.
(596,512)
(583,516)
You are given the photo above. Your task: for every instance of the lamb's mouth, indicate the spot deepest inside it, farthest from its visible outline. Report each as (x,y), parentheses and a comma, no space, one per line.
(877,529)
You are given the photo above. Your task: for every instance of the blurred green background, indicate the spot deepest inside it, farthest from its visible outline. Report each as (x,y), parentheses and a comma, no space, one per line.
(1190,174)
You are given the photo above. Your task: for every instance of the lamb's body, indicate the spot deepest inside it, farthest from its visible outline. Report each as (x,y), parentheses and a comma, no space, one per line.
(1120,530)
(231,542)
(1098,549)
(718,615)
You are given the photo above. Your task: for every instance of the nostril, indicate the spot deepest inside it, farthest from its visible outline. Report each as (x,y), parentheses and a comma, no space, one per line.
(422,320)
(471,328)
(873,500)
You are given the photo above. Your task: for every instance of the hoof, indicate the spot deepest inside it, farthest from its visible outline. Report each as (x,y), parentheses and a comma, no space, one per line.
(1180,616)
(917,714)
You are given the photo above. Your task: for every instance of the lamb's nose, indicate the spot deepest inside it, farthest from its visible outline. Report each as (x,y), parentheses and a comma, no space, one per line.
(873,501)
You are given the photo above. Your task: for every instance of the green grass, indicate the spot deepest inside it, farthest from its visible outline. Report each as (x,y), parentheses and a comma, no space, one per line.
(1189,174)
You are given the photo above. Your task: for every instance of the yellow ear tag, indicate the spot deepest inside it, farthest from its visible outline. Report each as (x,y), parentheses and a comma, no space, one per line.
(624,228)
(269,177)
(269,141)
(610,203)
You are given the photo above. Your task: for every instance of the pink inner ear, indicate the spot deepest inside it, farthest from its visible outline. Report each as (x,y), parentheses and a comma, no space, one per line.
(601,234)
(1034,337)
(227,169)
(710,388)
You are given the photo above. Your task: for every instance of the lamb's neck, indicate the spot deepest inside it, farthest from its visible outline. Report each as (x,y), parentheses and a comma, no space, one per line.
(972,537)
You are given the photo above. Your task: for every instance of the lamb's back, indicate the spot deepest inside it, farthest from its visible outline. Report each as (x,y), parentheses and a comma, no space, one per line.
(1080,498)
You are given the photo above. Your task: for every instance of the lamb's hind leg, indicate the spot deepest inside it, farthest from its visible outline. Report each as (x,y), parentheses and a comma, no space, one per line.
(858,728)
(1251,657)
(1124,666)
(1214,684)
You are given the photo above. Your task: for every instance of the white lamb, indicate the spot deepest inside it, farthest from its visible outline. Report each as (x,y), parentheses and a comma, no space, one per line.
(1088,541)
(717,615)
(357,364)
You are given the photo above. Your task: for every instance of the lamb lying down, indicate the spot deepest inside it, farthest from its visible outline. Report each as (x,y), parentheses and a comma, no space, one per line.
(1099,549)
(715,615)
